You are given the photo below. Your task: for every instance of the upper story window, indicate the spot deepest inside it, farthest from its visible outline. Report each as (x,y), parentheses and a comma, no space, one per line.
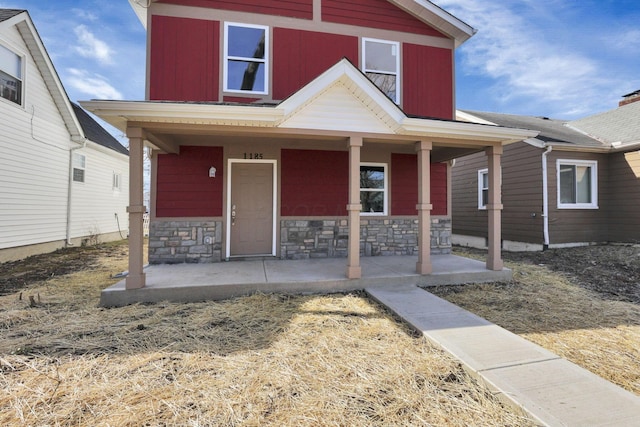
(577,184)
(246,53)
(79,162)
(483,188)
(381,61)
(10,75)
(373,188)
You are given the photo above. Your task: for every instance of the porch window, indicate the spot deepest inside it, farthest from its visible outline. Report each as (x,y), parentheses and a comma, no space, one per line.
(79,162)
(10,75)
(381,61)
(483,188)
(246,53)
(577,184)
(373,188)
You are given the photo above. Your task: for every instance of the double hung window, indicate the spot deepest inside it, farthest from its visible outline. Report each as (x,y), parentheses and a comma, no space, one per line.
(246,53)
(373,188)
(381,61)
(577,184)
(10,75)
(79,163)
(483,188)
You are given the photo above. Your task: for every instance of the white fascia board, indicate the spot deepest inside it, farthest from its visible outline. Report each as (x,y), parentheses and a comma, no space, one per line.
(118,113)
(467,117)
(28,31)
(470,131)
(438,18)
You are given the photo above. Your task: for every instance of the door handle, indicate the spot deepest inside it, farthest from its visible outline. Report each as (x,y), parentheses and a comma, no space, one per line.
(233,215)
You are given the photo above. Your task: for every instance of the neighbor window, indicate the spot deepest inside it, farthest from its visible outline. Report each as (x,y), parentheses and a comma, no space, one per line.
(79,161)
(117,178)
(577,184)
(381,61)
(246,53)
(10,75)
(373,188)
(483,188)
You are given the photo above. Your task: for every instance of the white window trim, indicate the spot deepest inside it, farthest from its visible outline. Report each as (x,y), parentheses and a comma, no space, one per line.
(385,190)
(482,172)
(265,61)
(23,71)
(397,73)
(594,183)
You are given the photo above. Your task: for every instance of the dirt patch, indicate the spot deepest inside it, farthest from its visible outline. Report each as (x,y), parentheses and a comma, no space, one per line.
(18,275)
(613,271)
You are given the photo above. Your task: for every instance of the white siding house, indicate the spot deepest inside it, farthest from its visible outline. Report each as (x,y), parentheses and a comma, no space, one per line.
(44,205)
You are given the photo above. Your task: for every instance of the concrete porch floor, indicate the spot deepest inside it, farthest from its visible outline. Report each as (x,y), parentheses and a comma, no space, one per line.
(198,282)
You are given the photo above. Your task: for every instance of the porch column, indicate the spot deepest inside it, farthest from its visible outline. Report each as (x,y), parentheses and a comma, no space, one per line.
(354,271)
(494,208)
(136,277)
(424,206)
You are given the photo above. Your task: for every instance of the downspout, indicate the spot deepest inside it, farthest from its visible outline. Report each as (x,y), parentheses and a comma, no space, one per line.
(83,142)
(545,199)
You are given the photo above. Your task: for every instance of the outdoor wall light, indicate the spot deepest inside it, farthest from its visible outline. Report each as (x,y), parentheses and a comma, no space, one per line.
(212,172)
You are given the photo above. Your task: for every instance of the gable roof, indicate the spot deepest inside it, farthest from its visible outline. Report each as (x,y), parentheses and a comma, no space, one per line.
(95,132)
(552,131)
(9,13)
(423,10)
(618,128)
(22,21)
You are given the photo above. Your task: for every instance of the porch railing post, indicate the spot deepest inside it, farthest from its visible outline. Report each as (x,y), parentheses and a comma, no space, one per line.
(424,207)
(494,208)
(354,271)
(136,277)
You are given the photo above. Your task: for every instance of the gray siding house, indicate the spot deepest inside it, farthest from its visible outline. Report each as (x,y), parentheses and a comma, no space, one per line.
(576,183)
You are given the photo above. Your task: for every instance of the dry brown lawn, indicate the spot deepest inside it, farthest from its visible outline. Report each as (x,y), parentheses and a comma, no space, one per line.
(582,304)
(336,360)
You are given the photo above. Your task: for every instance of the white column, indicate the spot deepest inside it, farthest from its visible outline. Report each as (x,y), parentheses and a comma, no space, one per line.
(494,209)
(354,271)
(424,207)
(136,277)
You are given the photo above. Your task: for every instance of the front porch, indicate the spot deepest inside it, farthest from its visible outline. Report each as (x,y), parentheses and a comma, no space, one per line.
(215,281)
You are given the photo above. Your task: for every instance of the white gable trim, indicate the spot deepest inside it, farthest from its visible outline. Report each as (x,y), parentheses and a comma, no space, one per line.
(39,54)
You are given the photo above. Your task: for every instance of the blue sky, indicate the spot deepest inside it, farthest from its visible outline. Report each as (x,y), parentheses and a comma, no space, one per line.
(557,58)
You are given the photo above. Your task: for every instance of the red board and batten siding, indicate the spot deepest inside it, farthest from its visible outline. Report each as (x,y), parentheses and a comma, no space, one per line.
(184,59)
(404,189)
(378,14)
(312,53)
(314,183)
(302,9)
(184,188)
(428,81)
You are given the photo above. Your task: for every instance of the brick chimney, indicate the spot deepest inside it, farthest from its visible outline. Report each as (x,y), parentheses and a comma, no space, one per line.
(629,98)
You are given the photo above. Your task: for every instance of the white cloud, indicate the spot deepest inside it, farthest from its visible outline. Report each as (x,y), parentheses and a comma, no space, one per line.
(513,48)
(90,47)
(85,15)
(94,85)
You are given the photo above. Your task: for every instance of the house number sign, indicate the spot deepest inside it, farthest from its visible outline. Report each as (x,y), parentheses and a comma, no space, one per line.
(254,156)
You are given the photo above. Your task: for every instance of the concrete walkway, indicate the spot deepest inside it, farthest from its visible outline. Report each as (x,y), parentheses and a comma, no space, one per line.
(554,391)
(198,282)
